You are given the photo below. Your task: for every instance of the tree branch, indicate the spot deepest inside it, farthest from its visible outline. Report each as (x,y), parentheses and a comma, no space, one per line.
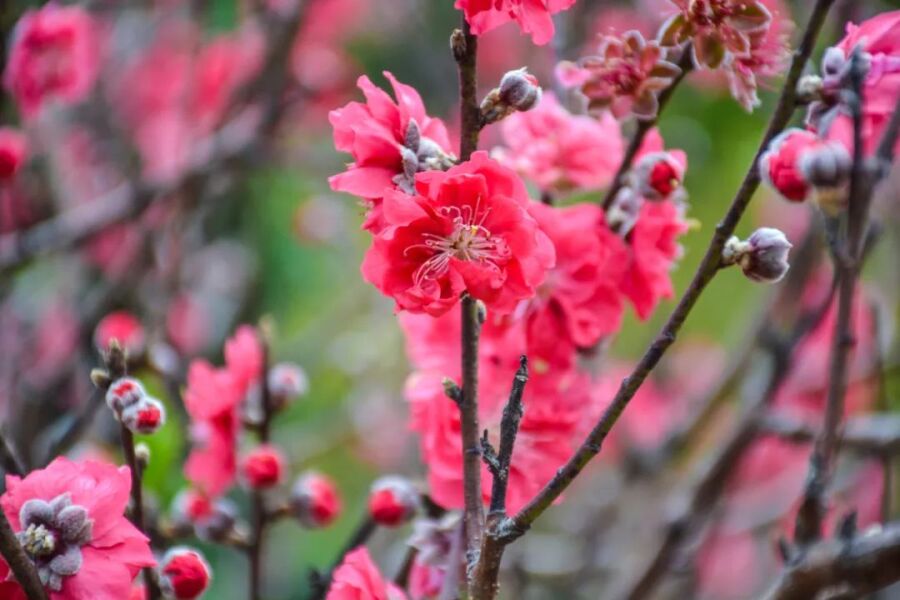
(873,434)
(18,561)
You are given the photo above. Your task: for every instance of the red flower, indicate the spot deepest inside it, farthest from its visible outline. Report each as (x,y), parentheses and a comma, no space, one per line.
(123,327)
(13,152)
(70,519)
(654,248)
(579,302)
(263,467)
(358,578)
(184,574)
(54,55)
(560,151)
(212,398)
(533,16)
(390,142)
(466,230)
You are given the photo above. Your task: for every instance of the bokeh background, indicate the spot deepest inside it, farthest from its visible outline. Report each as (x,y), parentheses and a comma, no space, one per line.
(280,243)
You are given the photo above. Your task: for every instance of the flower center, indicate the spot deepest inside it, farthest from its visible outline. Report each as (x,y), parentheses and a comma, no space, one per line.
(38,541)
(469,240)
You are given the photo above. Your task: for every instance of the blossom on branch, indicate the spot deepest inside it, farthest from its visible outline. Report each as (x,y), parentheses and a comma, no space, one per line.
(358,578)
(390,142)
(534,17)
(466,230)
(69,518)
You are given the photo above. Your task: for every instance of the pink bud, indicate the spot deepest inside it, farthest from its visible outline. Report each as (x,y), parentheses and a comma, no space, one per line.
(286,382)
(392,501)
(124,392)
(145,416)
(315,500)
(123,327)
(779,167)
(184,574)
(263,467)
(658,175)
(13,151)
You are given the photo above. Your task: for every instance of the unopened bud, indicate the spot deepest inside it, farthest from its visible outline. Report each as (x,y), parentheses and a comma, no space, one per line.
(314,500)
(211,519)
(826,165)
(115,358)
(142,455)
(809,89)
(451,390)
(263,467)
(100,378)
(124,393)
(520,89)
(657,175)
(184,574)
(13,151)
(779,168)
(623,214)
(762,257)
(145,416)
(413,136)
(286,382)
(393,501)
(458,44)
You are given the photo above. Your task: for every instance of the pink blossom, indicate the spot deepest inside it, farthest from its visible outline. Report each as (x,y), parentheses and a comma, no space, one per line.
(389,140)
(425,581)
(654,249)
(122,326)
(879,37)
(466,230)
(244,358)
(101,552)
(560,151)
(579,302)
(779,166)
(54,56)
(211,399)
(534,17)
(358,578)
(263,467)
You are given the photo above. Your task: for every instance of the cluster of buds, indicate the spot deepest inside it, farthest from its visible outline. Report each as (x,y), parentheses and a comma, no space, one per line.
(420,153)
(393,500)
(828,93)
(519,90)
(798,164)
(263,467)
(762,257)
(134,407)
(13,152)
(656,177)
(184,574)
(314,500)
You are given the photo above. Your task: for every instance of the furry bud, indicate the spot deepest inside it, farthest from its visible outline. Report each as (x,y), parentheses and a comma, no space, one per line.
(657,176)
(314,500)
(263,467)
(123,393)
(145,416)
(520,89)
(393,501)
(286,382)
(779,168)
(762,257)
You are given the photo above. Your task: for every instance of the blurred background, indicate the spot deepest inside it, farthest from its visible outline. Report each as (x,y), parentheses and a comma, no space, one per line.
(218,234)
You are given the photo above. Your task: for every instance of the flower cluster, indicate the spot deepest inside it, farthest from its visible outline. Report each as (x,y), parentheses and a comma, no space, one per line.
(534,17)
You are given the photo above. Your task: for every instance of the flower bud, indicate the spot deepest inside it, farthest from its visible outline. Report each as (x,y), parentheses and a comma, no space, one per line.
(13,151)
(263,467)
(826,165)
(184,574)
(142,455)
(393,500)
(762,257)
(520,89)
(623,214)
(314,500)
(779,168)
(145,416)
(809,88)
(657,175)
(211,519)
(122,326)
(286,382)
(123,393)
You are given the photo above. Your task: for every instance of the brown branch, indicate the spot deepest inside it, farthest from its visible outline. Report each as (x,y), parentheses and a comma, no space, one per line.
(260,513)
(845,569)
(485,576)
(873,434)
(709,266)
(137,505)
(685,63)
(22,567)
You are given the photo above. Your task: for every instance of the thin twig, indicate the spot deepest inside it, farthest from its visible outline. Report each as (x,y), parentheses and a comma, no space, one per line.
(872,434)
(260,514)
(9,460)
(686,64)
(709,266)
(137,504)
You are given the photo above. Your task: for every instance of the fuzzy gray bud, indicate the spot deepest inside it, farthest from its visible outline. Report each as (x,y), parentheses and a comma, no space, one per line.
(762,257)
(826,165)
(519,89)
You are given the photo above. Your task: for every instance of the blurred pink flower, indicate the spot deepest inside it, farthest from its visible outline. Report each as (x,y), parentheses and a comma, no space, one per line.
(122,326)
(560,151)
(389,141)
(425,581)
(101,552)
(358,578)
(244,358)
(729,566)
(534,17)
(466,230)
(13,152)
(54,55)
